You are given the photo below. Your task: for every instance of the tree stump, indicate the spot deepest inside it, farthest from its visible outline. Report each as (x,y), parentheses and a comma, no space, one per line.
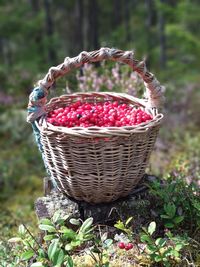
(137,204)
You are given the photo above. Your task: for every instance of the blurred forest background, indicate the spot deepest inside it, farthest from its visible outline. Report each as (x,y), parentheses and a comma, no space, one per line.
(37,34)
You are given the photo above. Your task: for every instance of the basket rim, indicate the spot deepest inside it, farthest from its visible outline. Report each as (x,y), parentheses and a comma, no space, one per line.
(96,131)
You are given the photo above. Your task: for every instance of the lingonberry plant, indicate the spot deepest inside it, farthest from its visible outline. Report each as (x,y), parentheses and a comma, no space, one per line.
(177,203)
(164,250)
(107,114)
(59,244)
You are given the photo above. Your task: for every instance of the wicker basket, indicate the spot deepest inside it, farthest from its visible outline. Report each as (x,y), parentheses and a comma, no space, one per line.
(96,164)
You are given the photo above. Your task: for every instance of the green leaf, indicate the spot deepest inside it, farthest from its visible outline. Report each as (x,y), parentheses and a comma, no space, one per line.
(68,247)
(86,225)
(146,238)
(169,225)
(56,216)
(178,219)
(175,253)
(70,262)
(151,228)
(163,216)
(48,228)
(46,221)
(75,222)
(58,257)
(52,249)
(128,221)
(104,237)
(49,237)
(68,233)
(158,258)
(169,234)
(27,255)
(61,221)
(152,248)
(145,230)
(119,225)
(108,242)
(76,243)
(41,253)
(196,204)
(21,229)
(37,264)
(170,209)
(160,242)
(88,237)
(167,252)
(178,247)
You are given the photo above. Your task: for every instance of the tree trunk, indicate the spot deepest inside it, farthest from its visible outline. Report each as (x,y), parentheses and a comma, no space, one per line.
(6,51)
(149,23)
(50,32)
(34,5)
(127,20)
(1,50)
(38,35)
(162,37)
(93,29)
(78,45)
(117,12)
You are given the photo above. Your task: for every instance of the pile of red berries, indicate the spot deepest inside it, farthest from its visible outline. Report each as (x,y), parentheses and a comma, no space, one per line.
(128,246)
(107,114)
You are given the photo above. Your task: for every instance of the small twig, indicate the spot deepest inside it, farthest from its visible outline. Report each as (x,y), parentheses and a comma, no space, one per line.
(114,209)
(32,248)
(32,236)
(192,264)
(188,263)
(195,241)
(92,256)
(194,234)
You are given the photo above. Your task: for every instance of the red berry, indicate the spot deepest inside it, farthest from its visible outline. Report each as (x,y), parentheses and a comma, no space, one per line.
(50,120)
(129,246)
(121,245)
(118,124)
(115,104)
(106,114)
(123,106)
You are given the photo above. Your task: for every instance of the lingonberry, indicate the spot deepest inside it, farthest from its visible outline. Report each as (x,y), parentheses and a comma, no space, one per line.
(129,246)
(121,245)
(107,114)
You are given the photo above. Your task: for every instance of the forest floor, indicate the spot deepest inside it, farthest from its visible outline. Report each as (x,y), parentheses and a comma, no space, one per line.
(177,150)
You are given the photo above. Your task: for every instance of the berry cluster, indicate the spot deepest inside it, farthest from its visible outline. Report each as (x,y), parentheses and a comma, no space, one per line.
(128,246)
(107,114)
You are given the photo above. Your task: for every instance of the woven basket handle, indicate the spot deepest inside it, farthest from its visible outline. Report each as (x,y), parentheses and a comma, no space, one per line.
(37,99)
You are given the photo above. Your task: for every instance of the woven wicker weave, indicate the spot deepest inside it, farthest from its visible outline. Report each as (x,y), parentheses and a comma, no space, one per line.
(98,164)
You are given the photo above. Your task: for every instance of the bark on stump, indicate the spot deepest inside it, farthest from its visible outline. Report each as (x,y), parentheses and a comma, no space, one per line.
(136,204)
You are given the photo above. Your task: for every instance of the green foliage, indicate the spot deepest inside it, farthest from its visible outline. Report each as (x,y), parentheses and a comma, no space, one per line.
(27,42)
(170,217)
(25,58)
(123,226)
(61,244)
(14,127)
(165,250)
(58,244)
(178,203)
